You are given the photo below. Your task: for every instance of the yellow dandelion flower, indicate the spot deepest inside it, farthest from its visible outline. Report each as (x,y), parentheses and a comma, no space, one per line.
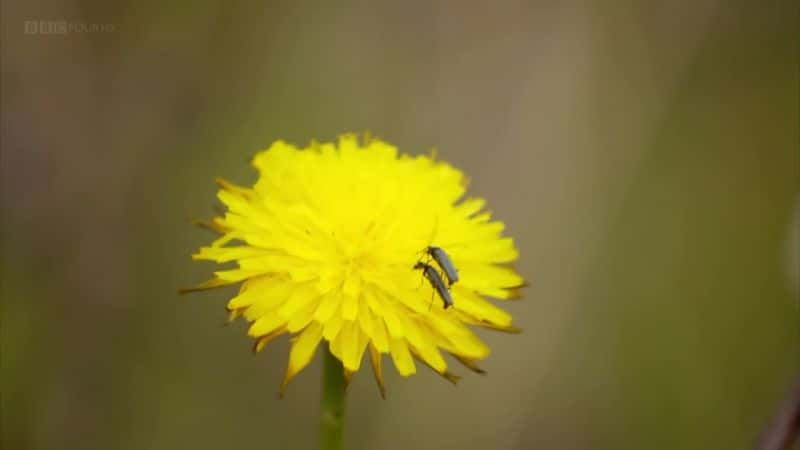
(327,243)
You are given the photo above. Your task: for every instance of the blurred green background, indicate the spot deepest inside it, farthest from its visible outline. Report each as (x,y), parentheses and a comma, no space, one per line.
(643,154)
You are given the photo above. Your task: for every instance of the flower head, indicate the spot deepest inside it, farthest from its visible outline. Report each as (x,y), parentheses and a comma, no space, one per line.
(326,243)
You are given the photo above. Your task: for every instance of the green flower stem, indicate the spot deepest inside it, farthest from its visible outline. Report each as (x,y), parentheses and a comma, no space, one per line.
(332,423)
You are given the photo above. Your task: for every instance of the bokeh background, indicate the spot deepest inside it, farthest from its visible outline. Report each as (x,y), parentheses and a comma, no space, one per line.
(644,155)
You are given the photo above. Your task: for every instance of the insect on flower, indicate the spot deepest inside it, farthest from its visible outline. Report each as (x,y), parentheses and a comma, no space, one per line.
(436,281)
(443,260)
(321,244)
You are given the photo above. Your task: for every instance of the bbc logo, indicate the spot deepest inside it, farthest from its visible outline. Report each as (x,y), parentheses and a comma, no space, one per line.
(64,27)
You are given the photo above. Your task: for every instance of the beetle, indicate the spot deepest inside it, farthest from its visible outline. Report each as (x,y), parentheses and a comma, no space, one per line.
(436,281)
(443,259)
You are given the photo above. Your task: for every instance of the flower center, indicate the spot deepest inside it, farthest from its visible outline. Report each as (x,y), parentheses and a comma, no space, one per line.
(357,255)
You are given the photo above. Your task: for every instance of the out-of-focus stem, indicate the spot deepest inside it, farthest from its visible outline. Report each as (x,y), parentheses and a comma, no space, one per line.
(333,402)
